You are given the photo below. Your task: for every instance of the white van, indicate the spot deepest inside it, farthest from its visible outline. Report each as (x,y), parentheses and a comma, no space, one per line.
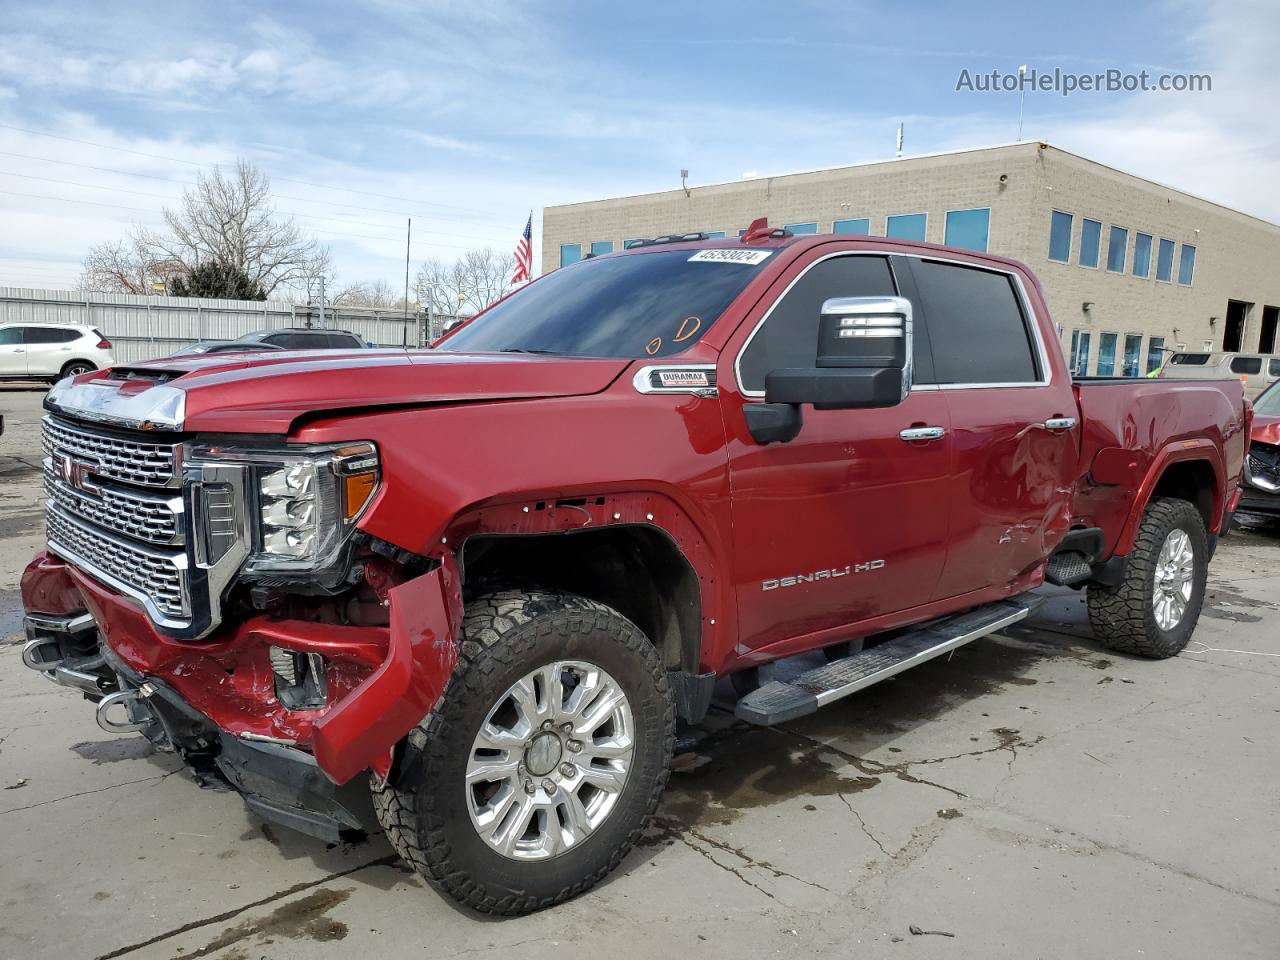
(1256,371)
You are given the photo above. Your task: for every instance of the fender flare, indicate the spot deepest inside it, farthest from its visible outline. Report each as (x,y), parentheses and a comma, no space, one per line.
(1180,451)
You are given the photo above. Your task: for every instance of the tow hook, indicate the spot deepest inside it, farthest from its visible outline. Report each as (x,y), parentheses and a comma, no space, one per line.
(128,698)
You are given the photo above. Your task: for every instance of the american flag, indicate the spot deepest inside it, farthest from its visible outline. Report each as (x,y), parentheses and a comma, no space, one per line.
(524,254)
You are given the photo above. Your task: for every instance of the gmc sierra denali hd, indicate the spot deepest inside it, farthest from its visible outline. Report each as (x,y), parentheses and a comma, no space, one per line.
(478,585)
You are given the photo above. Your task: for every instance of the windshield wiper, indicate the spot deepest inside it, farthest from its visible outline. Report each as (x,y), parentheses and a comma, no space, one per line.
(554,353)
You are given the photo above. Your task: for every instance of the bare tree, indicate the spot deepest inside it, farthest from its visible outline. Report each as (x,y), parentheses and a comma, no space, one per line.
(468,285)
(378,294)
(127,266)
(228,219)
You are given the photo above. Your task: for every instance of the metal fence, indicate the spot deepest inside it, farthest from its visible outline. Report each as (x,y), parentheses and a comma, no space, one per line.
(141,328)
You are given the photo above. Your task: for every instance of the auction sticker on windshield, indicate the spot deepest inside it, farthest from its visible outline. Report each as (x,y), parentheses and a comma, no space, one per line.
(731,256)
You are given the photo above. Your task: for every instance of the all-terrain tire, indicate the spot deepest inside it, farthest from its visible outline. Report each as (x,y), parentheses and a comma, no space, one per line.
(1123,617)
(424,808)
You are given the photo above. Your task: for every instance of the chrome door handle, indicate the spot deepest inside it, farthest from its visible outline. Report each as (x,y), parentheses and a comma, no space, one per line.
(1060,423)
(923,433)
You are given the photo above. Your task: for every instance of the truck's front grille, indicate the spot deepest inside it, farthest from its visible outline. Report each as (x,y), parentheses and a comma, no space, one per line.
(129,512)
(115,509)
(153,575)
(130,461)
(1264,464)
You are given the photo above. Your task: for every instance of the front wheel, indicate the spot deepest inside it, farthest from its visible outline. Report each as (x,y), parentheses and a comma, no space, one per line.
(544,759)
(1154,610)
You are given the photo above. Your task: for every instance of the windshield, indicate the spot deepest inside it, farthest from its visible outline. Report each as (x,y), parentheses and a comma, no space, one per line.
(1269,403)
(637,305)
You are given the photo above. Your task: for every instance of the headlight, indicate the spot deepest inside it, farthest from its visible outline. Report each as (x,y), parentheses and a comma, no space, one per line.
(307,505)
(303,501)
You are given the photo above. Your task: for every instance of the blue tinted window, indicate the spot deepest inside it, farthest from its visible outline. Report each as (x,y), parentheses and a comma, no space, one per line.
(1187,265)
(1107,355)
(968,228)
(570,253)
(1164,261)
(1117,251)
(1080,352)
(601,246)
(907,226)
(1132,354)
(1155,353)
(1090,242)
(715,234)
(1060,236)
(1141,257)
(802,227)
(860,227)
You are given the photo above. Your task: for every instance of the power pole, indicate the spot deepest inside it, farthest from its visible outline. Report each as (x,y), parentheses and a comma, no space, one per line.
(408,237)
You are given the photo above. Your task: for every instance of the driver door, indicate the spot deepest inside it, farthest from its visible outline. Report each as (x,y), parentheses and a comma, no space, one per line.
(849,520)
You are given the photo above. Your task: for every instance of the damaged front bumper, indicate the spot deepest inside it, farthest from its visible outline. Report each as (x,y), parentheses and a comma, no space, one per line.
(217,703)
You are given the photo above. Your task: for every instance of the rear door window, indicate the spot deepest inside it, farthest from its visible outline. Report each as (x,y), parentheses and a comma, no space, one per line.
(1246,364)
(789,337)
(977,328)
(342,341)
(51,335)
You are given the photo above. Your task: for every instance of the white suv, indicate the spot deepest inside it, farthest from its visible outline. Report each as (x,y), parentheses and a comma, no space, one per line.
(50,351)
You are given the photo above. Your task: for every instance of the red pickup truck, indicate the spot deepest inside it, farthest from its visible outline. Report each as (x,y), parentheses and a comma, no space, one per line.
(479,584)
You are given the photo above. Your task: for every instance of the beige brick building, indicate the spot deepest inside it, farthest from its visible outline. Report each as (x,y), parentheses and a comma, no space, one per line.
(1131,268)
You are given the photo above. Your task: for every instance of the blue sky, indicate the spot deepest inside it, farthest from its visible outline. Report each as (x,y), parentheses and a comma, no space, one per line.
(465,115)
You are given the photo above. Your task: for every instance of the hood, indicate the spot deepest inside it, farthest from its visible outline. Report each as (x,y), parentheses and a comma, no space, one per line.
(1266,429)
(267,392)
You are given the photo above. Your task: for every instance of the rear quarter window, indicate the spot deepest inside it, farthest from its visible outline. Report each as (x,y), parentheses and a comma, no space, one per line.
(1246,364)
(1193,359)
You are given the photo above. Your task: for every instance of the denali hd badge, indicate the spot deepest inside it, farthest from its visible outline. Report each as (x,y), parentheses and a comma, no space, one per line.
(829,574)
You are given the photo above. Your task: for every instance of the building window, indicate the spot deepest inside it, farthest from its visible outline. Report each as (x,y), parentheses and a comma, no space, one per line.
(1090,242)
(1155,353)
(1080,352)
(1164,261)
(968,228)
(802,227)
(859,227)
(716,234)
(628,244)
(1107,354)
(1117,250)
(907,226)
(601,246)
(1060,237)
(1132,355)
(1142,255)
(1187,265)
(570,253)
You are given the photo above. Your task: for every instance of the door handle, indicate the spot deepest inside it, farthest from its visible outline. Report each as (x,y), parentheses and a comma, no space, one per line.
(923,433)
(1060,423)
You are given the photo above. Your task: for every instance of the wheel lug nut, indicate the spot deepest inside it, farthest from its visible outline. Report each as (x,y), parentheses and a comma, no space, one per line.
(548,786)
(567,769)
(574,745)
(566,727)
(529,788)
(547,724)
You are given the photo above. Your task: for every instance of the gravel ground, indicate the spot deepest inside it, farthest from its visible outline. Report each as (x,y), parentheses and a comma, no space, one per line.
(1032,796)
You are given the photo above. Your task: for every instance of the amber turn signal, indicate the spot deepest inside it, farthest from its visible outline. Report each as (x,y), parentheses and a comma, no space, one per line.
(357,488)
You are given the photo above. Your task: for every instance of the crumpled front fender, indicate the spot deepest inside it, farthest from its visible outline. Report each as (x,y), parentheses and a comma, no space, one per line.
(359,731)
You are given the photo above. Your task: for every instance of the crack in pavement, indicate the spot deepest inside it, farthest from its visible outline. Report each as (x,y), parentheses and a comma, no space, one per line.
(228,914)
(678,831)
(863,824)
(706,854)
(85,793)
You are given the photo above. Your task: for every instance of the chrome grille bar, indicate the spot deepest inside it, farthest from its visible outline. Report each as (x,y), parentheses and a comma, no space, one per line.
(146,516)
(131,461)
(155,577)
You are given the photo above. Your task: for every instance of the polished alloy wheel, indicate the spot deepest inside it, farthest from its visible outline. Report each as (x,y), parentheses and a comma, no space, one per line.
(1175,571)
(550,761)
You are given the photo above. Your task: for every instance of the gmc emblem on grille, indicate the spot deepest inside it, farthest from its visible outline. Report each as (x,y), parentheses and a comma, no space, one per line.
(75,473)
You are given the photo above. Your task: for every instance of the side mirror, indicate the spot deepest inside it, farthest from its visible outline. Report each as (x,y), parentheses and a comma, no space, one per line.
(863,358)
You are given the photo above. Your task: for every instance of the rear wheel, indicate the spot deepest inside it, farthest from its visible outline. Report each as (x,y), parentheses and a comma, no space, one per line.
(544,759)
(75,368)
(1154,610)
